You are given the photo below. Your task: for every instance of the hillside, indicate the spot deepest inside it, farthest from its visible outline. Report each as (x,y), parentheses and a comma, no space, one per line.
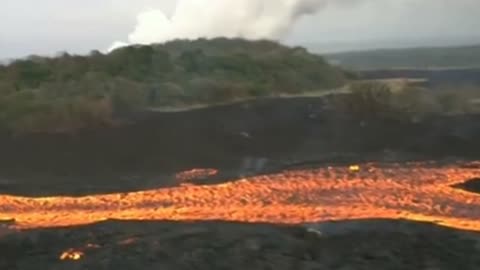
(70,92)
(440,57)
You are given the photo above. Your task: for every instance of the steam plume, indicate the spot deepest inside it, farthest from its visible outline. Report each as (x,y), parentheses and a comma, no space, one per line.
(251,19)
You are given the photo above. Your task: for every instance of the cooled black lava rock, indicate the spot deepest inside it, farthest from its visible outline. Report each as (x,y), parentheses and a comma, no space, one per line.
(235,139)
(220,245)
(472,185)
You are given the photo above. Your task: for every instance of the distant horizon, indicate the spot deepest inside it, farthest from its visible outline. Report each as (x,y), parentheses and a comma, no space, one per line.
(380,44)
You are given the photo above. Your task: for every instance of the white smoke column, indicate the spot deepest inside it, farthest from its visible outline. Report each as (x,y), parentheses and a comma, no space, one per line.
(250,19)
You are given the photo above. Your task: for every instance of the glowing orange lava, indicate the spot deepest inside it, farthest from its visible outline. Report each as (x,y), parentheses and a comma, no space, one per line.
(71,255)
(411,191)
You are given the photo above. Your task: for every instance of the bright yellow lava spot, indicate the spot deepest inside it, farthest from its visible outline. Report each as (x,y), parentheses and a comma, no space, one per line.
(72,255)
(354,168)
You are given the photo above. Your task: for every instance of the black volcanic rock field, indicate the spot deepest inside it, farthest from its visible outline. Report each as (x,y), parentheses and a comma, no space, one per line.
(374,244)
(250,137)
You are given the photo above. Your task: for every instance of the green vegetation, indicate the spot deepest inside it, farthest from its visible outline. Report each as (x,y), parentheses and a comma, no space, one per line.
(370,99)
(71,92)
(461,57)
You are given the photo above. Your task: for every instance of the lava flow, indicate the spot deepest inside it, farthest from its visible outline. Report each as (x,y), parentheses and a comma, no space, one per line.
(414,191)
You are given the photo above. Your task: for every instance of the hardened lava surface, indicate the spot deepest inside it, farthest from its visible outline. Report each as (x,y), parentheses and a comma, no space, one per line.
(212,245)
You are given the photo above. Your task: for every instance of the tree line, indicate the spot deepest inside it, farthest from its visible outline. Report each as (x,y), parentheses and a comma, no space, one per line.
(70,92)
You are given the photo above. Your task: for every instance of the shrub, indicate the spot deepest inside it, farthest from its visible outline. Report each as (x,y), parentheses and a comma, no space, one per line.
(376,99)
(368,99)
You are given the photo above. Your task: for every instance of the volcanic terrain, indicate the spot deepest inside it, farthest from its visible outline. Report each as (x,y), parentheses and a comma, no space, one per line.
(270,184)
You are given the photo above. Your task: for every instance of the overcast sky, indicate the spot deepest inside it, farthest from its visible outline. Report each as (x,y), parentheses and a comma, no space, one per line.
(49,26)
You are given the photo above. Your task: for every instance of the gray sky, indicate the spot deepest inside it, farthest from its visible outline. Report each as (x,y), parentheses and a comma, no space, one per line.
(49,26)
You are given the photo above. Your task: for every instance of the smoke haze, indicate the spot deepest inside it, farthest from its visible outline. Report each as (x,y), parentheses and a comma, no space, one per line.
(251,19)
(50,26)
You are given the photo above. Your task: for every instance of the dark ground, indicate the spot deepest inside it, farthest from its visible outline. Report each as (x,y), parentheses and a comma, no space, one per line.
(365,245)
(472,185)
(250,137)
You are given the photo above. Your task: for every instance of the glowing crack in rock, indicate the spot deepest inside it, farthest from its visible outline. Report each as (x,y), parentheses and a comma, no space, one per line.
(413,191)
(195,174)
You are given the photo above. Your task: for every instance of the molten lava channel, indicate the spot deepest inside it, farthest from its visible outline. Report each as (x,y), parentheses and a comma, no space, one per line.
(411,191)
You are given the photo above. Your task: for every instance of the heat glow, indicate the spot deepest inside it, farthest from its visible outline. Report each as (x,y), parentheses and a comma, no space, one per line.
(413,191)
(71,255)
